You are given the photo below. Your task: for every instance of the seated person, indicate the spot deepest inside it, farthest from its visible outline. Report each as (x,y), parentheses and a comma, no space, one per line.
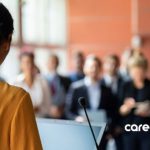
(35,84)
(135,106)
(18,129)
(97,96)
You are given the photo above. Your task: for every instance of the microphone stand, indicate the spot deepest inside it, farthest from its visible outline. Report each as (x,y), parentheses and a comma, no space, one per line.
(91,128)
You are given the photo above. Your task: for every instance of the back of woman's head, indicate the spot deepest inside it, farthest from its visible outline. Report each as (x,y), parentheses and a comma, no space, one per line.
(6,23)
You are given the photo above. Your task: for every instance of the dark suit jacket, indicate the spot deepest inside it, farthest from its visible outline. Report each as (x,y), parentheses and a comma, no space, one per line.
(120,83)
(117,95)
(140,95)
(79,89)
(65,82)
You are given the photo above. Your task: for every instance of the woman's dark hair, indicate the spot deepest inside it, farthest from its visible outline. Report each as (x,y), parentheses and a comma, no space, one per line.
(6,23)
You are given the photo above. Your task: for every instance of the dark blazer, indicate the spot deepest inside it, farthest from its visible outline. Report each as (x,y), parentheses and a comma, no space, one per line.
(79,89)
(140,95)
(120,83)
(117,95)
(65,82)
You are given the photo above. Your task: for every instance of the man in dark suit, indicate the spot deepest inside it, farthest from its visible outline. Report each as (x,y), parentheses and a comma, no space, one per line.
(58,85)
(113,80)
(111,77)
(97,96)
(78,63)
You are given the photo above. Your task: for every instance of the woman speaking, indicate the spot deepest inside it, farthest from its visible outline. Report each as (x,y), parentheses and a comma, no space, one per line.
(18,130)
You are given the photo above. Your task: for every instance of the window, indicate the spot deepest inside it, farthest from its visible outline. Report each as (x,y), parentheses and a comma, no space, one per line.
(43,22)
(40,25)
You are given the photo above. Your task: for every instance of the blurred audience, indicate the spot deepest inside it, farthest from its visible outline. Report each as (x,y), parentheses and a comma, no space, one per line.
(135,106)
(58,85)
(123,71)
(120,88)
(78,62)
(112,79)
(35,84)
(97,96)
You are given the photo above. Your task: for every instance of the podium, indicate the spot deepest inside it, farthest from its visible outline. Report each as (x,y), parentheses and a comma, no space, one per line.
(68,135)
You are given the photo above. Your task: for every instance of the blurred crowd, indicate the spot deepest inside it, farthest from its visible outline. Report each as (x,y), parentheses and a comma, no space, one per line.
(117,85)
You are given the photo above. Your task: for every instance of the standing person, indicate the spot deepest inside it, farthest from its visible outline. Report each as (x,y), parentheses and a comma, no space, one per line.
(35,84)
(18,129)
(123,70)
(135,107)
(97,96)
(112,79)
(78,63)
(58,85)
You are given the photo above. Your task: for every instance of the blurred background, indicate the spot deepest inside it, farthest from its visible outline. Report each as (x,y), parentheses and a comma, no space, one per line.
(65,26)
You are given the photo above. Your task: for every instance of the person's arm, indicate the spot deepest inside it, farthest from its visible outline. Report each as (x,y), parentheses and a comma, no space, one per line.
(143,108)
(24,133)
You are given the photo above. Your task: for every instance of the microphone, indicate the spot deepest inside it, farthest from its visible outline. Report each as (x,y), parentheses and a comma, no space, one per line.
(82,103)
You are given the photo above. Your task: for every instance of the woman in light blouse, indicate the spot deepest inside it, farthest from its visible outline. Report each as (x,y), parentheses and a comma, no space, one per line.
(18,129)
(33,82)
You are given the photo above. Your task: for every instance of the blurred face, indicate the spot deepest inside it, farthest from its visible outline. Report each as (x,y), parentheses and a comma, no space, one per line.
(27,65)
(52,64)
(137,74)
(92,69)
(110,67)
(4,49)
(78,63)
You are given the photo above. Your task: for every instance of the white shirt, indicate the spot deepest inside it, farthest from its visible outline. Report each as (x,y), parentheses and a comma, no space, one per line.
(39,92)
(94,93)
(111,82)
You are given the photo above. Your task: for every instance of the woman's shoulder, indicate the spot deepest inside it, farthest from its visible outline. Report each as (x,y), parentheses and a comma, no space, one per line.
(11,90)
(11,97)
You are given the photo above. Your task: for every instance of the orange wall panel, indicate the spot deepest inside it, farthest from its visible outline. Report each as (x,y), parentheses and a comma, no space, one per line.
(99,27)
(106,26)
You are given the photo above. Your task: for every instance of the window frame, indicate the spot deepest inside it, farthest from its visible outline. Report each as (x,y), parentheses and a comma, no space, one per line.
(20,43)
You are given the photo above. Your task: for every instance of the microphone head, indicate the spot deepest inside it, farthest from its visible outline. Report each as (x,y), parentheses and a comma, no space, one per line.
(82,101)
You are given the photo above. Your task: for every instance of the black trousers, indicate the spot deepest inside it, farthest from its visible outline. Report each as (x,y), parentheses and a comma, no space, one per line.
(119,142)
(136,141)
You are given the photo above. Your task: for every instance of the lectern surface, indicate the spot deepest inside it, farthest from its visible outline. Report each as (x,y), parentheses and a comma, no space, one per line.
(68,135)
